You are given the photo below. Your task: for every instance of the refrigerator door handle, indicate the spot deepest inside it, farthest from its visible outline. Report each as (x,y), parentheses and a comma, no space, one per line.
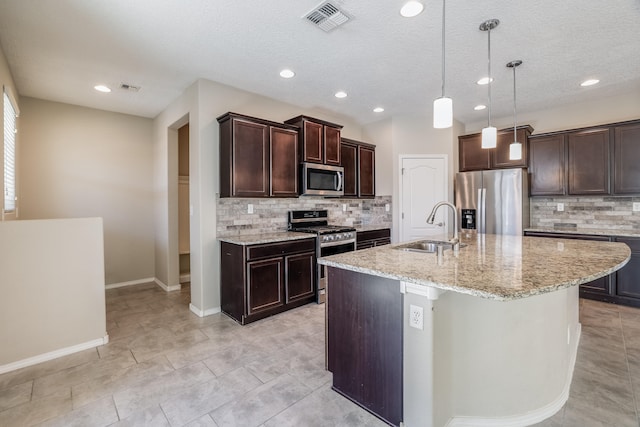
(482,202)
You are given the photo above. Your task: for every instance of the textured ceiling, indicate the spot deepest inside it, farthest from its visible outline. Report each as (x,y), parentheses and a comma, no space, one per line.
(58,50)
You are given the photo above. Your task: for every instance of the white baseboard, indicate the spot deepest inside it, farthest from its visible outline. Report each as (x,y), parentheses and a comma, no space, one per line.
(53,355)
(130,283)
(167,288)
(203,313)
(185,277)
(532,417)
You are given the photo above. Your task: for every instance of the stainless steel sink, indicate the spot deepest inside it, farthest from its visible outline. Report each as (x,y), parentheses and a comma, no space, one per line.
(426,246)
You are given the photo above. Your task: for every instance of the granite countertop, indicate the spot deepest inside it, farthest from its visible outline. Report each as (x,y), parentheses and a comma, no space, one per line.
(370,227)
(493,266)
(254,239)
(589,231)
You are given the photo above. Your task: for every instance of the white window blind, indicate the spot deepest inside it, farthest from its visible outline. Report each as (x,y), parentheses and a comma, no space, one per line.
(9,155)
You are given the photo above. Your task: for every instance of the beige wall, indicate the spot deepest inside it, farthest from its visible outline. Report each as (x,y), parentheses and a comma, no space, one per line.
(52,285)
(571,116)
(6,81)
(81,162)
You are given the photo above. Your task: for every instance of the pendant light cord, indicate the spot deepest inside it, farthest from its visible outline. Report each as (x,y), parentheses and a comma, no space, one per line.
(515,114)
(443,74)
(489,62)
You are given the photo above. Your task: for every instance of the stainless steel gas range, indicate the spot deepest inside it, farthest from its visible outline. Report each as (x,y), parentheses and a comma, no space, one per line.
(330,240)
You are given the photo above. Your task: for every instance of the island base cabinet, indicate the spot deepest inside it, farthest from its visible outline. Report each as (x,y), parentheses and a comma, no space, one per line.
(364,341)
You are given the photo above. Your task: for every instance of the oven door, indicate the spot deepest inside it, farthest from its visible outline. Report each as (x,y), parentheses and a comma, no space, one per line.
(327,250)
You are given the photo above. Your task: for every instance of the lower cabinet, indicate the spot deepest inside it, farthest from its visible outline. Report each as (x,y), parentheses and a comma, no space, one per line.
(372,238)
(259,280)
(621,287)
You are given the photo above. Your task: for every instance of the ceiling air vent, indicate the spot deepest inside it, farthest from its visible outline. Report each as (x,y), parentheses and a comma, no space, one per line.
(327,16)
(130,88)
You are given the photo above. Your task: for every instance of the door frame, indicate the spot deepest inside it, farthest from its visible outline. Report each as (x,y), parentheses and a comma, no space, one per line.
(401,157)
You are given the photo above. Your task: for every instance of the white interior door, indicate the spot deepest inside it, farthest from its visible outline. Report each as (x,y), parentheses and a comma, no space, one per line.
(423,183)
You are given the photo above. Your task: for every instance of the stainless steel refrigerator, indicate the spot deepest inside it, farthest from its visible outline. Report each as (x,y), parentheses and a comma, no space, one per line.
(493,201)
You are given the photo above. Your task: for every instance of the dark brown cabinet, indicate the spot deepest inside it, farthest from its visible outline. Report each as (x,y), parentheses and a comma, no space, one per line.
(264,279)
(359,162)
(372,238)
(626,155)
(547,165)
(621,287)
(319,140)
(364,341)
(588,162)
(473,157)
(258,158)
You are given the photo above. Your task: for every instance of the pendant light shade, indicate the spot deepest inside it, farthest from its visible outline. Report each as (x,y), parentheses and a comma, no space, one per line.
(443,106)
(489,134)
(515,149)
(442,113)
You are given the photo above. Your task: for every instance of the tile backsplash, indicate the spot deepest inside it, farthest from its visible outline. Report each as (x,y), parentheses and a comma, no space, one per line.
(609,213)
(270,215)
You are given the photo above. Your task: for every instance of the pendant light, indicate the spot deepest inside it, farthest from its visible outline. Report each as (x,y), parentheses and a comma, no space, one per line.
(443,106)
(515,149)
(490,133)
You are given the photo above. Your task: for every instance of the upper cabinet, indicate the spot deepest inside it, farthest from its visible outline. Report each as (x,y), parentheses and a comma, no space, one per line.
(359,162)
(258,158)
(474,157)
(598,160)
(319,140)
(588,161)
(626,159)
(547,165)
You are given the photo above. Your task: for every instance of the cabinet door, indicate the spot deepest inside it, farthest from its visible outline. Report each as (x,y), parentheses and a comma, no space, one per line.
(331,146)
(312,150)
(626,165)
(367,175)
(264,284)
(546,156)
(628,277)
(588,166)
(299,281)
(284,162)
(500,157)
(349,155)
(250,159)
(472,156)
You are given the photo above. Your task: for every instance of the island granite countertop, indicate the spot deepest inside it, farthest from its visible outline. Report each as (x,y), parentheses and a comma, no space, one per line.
(492,266)
(586,231)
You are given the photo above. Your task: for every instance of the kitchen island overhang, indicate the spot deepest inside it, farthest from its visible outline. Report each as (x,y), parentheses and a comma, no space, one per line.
(500,326)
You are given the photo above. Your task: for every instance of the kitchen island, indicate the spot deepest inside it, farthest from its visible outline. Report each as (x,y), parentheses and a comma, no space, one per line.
(495,328)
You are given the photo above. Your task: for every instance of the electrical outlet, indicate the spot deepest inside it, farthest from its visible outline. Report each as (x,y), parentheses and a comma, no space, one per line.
(250,208)
(560,207)
(344,207)
(387,207)
(560,246)
(636,207)
(416,317)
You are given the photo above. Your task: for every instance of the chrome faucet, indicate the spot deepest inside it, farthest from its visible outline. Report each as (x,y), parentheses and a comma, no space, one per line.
(432,216)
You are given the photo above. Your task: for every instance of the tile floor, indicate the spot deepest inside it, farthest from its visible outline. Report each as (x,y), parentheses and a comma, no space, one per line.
(165,366)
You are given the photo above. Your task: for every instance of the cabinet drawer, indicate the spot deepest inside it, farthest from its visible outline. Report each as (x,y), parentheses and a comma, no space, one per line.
(277,249)
(373,234)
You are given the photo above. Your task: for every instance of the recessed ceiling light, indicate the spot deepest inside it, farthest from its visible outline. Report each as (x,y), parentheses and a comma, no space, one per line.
(411,8)
(590,82)
(484,81)
(341,94)
(287,74)
(378,110)
(479,107)
(102,88)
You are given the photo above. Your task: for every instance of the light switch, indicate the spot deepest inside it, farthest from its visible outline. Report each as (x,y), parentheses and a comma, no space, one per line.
(344,207)
(250,208)
(387,207)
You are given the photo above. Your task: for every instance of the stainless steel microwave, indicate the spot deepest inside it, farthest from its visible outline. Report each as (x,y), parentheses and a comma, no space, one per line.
(321,180)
